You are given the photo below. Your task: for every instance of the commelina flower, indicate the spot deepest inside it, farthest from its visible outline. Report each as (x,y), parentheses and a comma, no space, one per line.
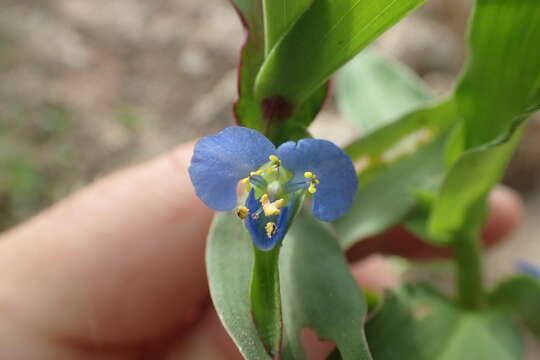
(277,180)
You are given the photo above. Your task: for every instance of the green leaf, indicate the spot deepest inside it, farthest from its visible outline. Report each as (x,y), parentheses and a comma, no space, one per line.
(382,201)
(229,261)
(280,15)
(502,79)
(317,288)
(323,39)
(266,299)
(319,292)
(434,119)
(390,196)
(417,323)
(521,296)
(296,127)
(373,90)
(500,86)
(275,118)
(469,181)
(247,109)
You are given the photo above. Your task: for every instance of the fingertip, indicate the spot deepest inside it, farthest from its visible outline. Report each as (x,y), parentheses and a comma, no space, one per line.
(314,347)
(181,155)
(375,273)
(506,212)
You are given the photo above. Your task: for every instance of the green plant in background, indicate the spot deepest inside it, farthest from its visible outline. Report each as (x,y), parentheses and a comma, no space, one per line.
(26,183)
(427,163)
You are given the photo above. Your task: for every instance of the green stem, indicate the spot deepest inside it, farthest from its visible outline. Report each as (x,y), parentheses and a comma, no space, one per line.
(469,276)
(469,259)
(266,299)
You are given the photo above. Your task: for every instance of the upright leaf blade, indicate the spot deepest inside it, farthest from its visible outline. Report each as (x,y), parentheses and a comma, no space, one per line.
(325,37)
(280,15)
(278,120)
(502,80)
(247,109)
(500,85)
(470,179)
(372,91)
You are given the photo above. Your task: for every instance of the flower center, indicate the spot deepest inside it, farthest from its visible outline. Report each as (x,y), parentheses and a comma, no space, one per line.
(273,188)
(271,208)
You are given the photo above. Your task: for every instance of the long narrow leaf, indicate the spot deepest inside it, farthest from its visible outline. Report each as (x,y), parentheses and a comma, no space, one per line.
(327,35)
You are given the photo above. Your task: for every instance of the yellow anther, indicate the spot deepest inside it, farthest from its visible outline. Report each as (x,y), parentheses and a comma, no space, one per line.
(276,163)
(271,229)
(245,181)
(271,208)
(242,212)
(255,173)
(312,189)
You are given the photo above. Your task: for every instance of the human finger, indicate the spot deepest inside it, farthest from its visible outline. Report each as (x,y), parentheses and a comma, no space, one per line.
(116,263)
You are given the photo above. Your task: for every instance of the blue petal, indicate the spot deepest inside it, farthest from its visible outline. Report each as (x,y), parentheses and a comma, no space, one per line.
(334,169)
(256,227)
(220,161)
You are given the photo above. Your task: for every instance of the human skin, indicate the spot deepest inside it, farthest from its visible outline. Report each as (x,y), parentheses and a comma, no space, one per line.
(116,271)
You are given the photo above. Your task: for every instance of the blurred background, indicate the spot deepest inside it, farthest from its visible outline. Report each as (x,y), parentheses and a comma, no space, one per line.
(87,87)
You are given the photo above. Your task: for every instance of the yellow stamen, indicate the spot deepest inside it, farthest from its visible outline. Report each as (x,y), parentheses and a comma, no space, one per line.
(246,180)
(271,229)
(312,189)
(242,212)
(276,162)
(271,208)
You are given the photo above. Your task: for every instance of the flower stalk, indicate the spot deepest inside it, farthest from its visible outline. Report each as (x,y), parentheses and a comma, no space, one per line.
(265,298)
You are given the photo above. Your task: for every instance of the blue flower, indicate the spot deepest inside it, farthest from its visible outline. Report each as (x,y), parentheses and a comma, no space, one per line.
(277,180)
